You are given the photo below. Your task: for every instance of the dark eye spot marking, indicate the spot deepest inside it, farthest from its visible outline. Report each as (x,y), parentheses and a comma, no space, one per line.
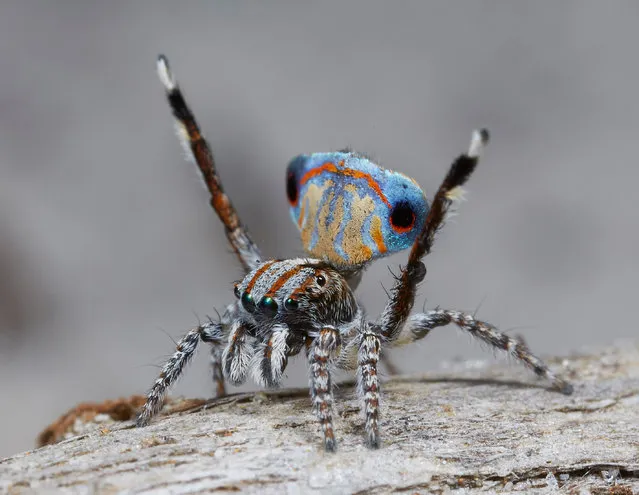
(291,188)
(321,280)
(402,217)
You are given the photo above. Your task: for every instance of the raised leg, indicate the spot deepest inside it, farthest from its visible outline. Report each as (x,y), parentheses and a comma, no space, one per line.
(238,353)
(402,294)
(198,149)
(419,325)
(172,370)
(368,385)
(271,358)
(324,349)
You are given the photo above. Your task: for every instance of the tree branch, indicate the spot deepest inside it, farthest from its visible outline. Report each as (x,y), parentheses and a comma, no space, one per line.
(485,429)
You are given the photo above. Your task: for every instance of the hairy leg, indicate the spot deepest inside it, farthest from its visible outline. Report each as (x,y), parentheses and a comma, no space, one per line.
(402,294)
(216,370)
(322,352)
(237,356)
(271,358)
(368,385)
(199,150)
(209,332)
(419,325)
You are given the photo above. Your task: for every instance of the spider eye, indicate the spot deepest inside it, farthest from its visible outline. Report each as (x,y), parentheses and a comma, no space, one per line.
(402,217)
(291,187)
(291,304)
(236,291)
(248,303)
(268,306)
(321,280)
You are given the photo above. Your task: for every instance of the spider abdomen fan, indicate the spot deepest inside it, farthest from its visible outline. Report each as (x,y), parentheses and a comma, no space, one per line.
(350,210)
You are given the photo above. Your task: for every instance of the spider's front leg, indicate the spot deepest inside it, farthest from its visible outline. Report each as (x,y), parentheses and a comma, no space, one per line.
(324,350)
(238,353)
(271,357)
(210,332)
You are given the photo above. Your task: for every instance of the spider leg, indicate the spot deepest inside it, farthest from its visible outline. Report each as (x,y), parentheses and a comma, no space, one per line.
(325,347)
(420,325)
(237,356)
(216,371)
(402,294)
(199,150)
(271,357)
(209,332)
(368,385)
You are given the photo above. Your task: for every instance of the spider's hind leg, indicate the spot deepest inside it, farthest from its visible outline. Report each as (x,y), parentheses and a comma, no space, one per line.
(210,332)
(420,325)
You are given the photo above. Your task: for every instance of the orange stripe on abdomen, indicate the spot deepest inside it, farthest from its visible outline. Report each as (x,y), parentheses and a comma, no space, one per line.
(376,234)
(348,172)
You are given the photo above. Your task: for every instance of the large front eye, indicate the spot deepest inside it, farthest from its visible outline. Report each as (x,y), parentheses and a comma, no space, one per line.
(247,302)
(402,218)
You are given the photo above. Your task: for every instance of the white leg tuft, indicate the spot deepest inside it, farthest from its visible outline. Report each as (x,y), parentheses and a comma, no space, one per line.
(477,143)
(164,73)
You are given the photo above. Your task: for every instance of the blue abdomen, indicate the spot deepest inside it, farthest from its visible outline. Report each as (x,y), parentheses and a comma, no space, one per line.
(349,210)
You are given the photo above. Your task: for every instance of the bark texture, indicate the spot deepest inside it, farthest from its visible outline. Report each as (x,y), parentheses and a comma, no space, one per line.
(473,428)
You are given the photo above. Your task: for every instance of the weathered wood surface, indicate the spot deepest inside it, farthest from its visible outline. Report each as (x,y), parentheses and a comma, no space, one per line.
(476,428)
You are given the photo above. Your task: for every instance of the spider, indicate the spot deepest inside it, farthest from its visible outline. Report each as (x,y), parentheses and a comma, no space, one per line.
(285,306)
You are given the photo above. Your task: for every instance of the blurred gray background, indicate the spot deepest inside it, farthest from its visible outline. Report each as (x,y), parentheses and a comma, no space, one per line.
(108,245)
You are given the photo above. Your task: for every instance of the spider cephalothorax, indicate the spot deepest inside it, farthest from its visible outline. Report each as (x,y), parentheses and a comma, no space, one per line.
(349,212)
(296,292)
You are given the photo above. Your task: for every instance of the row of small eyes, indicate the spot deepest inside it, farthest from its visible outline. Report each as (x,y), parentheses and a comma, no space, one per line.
(267,304)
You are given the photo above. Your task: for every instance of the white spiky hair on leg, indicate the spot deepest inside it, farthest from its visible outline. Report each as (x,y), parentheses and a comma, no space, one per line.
(165,74)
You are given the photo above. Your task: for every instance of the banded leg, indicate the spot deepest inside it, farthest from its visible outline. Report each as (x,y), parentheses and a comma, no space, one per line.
(402,294)
(419,325)
(174,367)
(271,358)
(324,349)
(198,149)
(368,385)
(237,356)
(216,371)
